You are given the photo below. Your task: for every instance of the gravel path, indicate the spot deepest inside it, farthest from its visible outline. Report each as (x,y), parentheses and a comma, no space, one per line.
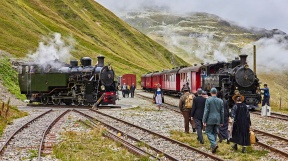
(146,114)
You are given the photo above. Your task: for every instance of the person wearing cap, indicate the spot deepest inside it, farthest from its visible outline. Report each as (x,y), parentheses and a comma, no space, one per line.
(185,111)
(266,93)
(241,123)
(213,117)
(204,94)
(197,114)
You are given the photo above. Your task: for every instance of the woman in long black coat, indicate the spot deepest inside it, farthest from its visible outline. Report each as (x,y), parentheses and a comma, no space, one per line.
(241,123)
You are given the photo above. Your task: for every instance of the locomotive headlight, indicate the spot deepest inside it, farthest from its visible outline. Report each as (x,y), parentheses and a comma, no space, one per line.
(109,67)
(102,87)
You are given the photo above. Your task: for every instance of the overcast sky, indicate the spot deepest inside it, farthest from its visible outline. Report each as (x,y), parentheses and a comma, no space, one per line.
(269,14)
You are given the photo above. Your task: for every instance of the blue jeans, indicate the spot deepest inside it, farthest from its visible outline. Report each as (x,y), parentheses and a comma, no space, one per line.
(211,132)
(266,100)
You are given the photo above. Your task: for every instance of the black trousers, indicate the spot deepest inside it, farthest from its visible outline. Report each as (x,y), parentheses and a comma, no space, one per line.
(132,94)
(199,126)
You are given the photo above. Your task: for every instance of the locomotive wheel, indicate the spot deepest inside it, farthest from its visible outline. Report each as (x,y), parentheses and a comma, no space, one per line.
(76,103)
(45,100)
(86,103)
(56,101)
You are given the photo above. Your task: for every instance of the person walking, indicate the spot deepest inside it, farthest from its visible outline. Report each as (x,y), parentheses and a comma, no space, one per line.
(132,90)
(158,96)
(185,108)
(266,97)
(124,89)
(223,130)
(241,123)
(213,117)
(197,114)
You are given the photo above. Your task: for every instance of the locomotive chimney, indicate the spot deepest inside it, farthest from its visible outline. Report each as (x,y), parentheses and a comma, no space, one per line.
(100,61)
(243,58)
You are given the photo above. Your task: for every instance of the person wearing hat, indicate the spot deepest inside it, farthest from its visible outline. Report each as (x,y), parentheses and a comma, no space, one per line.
(185,111)
(197,114)
(266,98)
(213,117)
(241,123)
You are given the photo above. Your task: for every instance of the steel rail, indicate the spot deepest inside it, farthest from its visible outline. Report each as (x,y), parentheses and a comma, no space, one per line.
(161,136)
(134,149)
(21,128)
(47,131)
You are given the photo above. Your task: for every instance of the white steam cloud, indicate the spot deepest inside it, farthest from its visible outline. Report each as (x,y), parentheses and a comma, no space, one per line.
(272,53)
(202,45)
(52,50)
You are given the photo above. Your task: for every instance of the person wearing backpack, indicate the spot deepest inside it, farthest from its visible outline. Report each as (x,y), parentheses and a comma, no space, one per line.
(185,105)
(213,117)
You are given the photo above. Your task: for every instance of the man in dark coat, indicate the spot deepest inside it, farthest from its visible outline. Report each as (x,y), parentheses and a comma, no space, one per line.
(213,117)
(132,90)
(197,114)
(185,111)
(241,123)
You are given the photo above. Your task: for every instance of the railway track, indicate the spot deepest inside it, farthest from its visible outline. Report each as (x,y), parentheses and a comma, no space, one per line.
(273,115)
(30,136)
(132,148)
(272,142)
(154,141)
(269,141)
(72,106)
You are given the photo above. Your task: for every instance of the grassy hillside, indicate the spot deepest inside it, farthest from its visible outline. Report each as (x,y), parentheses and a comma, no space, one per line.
(95,29)
(194,37)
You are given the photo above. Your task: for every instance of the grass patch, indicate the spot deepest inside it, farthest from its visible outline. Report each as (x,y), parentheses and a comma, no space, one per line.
(9,77)
(224,151)
(13,113)
(91,146)
(146,109)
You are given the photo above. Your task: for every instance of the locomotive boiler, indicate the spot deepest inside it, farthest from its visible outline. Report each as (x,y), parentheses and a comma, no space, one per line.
(57,82)
(233,78)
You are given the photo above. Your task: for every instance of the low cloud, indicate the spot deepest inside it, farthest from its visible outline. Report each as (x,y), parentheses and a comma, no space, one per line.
(272,53)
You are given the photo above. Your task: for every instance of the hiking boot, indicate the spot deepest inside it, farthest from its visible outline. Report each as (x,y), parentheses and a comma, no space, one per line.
(214,149)
(243,149)
(235,147)
(228,141)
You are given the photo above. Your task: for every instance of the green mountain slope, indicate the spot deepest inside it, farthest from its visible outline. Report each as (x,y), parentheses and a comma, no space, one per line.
(95,29)
(202,37)
(195,37)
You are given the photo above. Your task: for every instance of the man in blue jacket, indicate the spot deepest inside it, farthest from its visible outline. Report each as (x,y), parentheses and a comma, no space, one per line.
(213,117)
(266,98)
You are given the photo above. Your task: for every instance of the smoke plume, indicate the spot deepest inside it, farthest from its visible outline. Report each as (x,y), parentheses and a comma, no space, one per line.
(272,53)
(52,50)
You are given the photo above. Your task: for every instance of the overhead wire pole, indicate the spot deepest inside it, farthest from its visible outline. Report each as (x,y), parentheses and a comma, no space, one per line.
(254,55)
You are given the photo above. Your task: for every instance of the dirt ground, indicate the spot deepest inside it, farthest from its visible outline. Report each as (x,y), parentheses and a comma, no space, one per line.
(5,95)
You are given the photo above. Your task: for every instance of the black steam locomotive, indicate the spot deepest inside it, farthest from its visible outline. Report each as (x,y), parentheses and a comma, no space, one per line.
(57,82)
(233,78)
